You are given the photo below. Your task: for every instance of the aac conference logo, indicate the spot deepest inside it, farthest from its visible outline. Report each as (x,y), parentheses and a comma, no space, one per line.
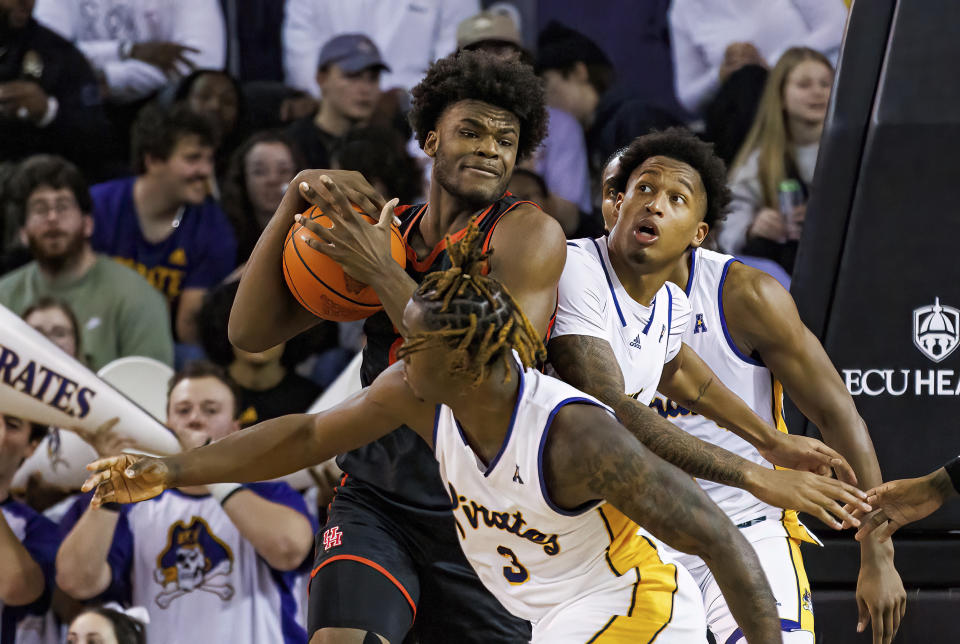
(936,334)
(936,330)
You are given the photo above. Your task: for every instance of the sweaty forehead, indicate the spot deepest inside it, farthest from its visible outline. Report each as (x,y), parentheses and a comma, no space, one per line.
(670,170)
(490,115)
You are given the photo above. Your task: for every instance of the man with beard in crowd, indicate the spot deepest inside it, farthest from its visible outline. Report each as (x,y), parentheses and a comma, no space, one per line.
(119,315)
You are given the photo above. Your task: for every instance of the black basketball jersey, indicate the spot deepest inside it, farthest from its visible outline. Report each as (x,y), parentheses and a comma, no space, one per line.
(401,464)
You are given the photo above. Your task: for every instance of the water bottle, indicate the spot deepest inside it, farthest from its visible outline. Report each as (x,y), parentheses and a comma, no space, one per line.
(790,197)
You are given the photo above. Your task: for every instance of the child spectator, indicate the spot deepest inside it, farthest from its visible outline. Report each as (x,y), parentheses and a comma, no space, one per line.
(117,314)
(162,221)
(782,145)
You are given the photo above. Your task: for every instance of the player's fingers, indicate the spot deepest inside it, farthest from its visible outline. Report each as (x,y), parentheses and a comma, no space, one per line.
(139,468)
(317,229)
(863,617)
(312,195)
(839,464)
(386,214)
(846,494)
(886,531)
(821,513)
(343,208)
(885,617)
(103,463)
(839,514)
(897,613)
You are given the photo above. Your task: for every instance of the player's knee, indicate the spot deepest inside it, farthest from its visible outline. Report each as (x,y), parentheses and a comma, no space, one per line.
(346,636)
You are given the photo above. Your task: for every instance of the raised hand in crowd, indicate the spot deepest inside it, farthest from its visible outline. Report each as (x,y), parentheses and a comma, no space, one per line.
(23,99)
(737,55)
(167,56)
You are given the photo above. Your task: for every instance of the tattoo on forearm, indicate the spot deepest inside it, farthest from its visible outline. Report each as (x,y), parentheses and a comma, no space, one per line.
(692,404)
(589,364)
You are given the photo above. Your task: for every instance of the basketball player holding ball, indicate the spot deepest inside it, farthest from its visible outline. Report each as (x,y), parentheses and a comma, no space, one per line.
(388,559)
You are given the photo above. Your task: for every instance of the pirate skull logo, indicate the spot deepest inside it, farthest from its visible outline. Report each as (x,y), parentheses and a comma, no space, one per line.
(194,559)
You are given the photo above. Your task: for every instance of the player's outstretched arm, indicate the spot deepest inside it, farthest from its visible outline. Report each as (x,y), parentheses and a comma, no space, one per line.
(269,449)
(762,316)
(690,381)
(265,313)
(590,456)
(588,363)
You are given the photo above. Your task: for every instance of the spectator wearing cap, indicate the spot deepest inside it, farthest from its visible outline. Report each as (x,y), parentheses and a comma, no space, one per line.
(411,35)
(49,100)
(561,160)
(118,314)
(579,79)
(348,71)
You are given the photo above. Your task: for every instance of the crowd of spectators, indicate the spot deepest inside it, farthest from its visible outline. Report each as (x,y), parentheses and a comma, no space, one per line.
(144,146)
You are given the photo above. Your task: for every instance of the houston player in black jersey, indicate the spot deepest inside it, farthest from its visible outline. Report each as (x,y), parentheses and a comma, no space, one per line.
(388,560)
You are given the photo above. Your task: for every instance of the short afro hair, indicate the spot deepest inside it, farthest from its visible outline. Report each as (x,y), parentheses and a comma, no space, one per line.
(480,76)
(681,144)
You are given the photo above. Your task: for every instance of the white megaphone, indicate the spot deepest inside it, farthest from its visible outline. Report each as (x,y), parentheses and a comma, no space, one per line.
(42,384)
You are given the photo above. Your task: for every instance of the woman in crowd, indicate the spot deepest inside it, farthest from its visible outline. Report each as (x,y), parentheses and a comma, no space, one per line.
(56,321)
(259,172)
(101,625)
(218,96)
(774,168)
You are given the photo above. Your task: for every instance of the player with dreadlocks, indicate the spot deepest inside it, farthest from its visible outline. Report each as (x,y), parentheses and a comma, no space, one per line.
(547,512)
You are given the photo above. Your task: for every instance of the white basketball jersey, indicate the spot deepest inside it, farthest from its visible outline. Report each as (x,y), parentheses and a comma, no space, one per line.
(592,301)
(199,578)
(744,375)
(532,555)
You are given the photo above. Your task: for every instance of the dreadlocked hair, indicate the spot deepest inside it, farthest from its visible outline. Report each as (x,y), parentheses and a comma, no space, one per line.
(474,314)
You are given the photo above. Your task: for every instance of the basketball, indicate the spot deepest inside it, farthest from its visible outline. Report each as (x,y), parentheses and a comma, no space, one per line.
(320,284)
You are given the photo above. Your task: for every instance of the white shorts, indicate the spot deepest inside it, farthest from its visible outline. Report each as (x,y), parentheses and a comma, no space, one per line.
(668,609)
(779,555)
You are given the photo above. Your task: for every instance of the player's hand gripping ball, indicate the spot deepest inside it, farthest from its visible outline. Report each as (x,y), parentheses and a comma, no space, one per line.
(320,284)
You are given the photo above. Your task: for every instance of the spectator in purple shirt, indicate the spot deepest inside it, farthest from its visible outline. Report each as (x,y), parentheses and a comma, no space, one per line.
(162,222)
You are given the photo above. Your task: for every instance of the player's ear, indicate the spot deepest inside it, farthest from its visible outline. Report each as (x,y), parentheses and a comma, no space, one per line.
(616,206)
(701,234)
(431,144)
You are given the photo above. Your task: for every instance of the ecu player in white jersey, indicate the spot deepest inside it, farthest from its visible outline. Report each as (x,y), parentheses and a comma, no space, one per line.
(547,510)
(744,325)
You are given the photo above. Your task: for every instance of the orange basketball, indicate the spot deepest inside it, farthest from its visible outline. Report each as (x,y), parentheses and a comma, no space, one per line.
(318,282)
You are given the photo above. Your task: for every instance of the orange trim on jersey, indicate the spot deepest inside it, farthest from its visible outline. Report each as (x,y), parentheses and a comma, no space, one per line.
(383,571)
(392,353)
(427,262)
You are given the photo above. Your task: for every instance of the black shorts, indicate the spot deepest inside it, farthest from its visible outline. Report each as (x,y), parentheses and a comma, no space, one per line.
(391,569)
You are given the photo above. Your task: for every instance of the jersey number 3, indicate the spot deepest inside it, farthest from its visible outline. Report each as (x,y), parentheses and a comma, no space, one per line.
(515,573)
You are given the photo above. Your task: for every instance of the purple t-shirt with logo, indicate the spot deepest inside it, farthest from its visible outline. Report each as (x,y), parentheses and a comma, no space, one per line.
(199,253)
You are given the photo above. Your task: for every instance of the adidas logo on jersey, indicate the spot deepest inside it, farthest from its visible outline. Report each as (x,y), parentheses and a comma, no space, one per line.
(635,343)
(516,476)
